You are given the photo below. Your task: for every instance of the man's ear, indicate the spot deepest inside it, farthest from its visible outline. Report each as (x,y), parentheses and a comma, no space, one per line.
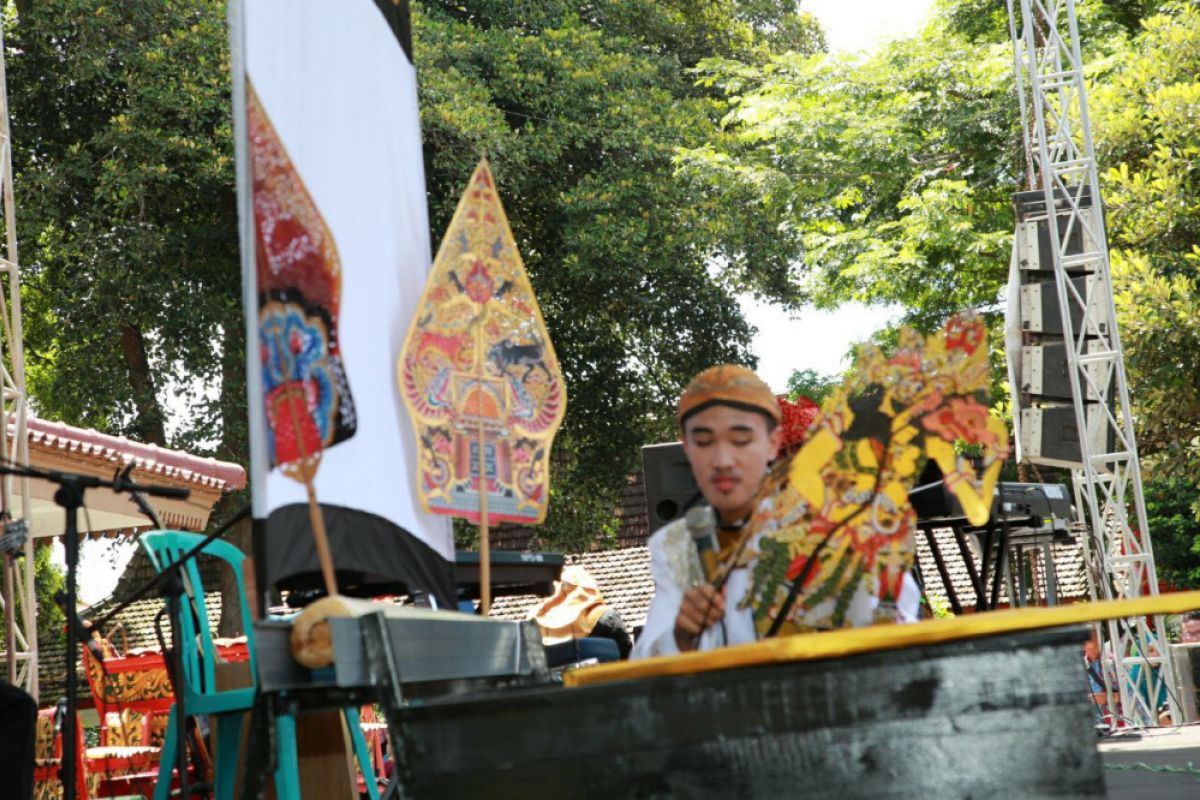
(776,438)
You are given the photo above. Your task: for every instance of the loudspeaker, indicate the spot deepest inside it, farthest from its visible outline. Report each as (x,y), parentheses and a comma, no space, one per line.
(670,486)
(1050,435)
(1035,250)
(1040,312)
(1048,430)
(1046,377)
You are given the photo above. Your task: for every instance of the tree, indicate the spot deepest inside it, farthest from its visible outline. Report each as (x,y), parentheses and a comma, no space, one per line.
(1171,508)
(890,180)
(886,179)
(127,221)
(811,384)
(881,176)
(1148,138)
(581,108)
(47,581)
(1147,135)
(128,217)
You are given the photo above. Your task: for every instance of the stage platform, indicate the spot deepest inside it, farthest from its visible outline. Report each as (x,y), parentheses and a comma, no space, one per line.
(1174,748)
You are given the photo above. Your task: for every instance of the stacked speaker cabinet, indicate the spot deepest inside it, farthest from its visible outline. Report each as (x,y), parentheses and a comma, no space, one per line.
(1049,428)
(670,486)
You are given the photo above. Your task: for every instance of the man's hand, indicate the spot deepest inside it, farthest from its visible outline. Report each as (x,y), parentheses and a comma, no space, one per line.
(701,607)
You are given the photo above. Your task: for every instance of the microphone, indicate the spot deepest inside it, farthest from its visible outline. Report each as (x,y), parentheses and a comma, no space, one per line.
(60,713)
(702,527)
(123,483)
(83,632)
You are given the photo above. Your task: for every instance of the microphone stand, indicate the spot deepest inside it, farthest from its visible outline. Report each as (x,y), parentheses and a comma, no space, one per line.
(71,487)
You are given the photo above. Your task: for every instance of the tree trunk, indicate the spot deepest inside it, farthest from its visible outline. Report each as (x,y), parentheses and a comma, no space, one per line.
(149,425)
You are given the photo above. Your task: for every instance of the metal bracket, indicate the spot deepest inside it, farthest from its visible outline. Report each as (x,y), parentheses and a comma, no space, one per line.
(385,673)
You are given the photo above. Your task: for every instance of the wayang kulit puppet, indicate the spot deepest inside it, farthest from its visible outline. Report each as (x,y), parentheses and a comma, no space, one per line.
(831,540)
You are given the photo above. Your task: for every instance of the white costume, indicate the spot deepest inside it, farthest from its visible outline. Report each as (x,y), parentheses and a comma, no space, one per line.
(675,567)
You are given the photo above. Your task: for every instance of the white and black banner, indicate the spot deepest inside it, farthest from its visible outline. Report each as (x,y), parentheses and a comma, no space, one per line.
(336,252)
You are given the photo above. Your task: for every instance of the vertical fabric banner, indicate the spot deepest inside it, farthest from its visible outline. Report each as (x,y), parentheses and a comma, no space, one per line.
(335,256)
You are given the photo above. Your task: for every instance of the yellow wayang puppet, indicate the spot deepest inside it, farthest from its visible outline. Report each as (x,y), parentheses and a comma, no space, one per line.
(831,541)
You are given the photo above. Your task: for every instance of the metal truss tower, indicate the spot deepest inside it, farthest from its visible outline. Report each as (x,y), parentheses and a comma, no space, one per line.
(19,599)
(1107,477)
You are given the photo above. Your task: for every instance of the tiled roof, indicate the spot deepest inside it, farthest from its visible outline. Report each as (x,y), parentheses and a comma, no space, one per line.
(624,579)
(634,530)
(631,513)
(139,572)
(149,458)
(1069,567)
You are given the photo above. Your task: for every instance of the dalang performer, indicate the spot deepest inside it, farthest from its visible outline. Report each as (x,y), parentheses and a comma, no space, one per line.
(825,540)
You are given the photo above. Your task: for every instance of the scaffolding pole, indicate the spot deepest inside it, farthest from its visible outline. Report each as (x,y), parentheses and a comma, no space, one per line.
(20,636)
(1106,472)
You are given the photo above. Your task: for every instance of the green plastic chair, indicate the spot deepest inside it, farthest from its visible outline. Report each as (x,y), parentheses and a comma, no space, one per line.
(199,679)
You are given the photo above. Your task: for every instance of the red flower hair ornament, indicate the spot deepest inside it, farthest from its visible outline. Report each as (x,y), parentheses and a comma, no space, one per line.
(797,419)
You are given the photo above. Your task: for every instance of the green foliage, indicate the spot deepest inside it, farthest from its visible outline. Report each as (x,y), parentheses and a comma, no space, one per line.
(887,179)
(47,580)
(127,221)
(884,180)
(811,384)
(1172,506)
(1147,135)
(580,109)
(987,20)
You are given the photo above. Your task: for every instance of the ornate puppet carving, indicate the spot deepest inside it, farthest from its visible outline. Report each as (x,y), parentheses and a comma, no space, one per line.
(836,517)
(478,372)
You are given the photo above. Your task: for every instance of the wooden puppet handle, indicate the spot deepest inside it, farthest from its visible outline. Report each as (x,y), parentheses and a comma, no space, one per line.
(485,545)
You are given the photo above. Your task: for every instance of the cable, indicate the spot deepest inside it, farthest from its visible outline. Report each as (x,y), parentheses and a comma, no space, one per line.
(1190,769)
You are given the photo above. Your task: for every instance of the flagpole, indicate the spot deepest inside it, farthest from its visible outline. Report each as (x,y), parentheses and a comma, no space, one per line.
(254,390)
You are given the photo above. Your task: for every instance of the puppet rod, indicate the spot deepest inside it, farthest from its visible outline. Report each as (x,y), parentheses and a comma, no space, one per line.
(293,396)
(485,545)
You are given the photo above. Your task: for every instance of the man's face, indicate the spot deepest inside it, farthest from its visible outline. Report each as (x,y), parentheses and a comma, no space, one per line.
(729,450)
(1190,630)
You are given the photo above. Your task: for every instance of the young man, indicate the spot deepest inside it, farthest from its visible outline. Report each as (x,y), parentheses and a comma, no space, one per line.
(729,425)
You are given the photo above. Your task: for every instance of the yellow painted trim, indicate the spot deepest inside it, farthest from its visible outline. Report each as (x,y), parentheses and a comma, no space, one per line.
(852,641)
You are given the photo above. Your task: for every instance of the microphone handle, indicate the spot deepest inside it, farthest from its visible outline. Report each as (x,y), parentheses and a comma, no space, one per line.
(709,560)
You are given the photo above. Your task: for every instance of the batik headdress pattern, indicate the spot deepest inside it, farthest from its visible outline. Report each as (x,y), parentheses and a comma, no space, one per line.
(833,530)
(478,371)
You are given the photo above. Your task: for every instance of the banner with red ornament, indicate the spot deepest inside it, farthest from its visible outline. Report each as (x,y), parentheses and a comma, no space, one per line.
(336,253)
